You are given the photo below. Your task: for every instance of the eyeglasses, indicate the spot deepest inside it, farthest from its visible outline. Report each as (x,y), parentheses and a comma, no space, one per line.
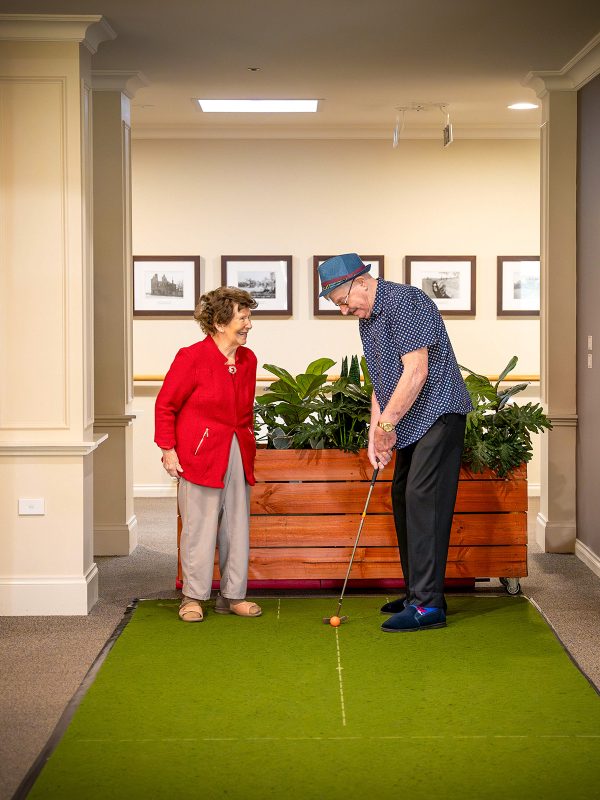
(344,302)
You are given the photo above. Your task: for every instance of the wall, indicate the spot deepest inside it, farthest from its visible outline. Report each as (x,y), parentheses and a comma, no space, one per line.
(588,322)
(318,197)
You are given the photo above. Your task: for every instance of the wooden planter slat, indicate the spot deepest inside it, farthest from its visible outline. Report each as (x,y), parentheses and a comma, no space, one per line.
(375,562)
(343,496)
(318,498)
(315,465)
(490,529)
(491,496)
(335,465)
(378,531)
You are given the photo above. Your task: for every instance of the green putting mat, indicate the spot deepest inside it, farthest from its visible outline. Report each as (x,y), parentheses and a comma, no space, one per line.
(283,706)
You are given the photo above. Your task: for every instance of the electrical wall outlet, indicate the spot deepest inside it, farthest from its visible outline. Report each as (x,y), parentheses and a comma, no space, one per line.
(31,506)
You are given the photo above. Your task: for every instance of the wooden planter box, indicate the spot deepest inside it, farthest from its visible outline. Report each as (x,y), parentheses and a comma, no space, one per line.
(306,507)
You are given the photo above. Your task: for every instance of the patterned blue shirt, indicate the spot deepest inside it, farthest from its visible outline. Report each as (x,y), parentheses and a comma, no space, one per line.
(404,319)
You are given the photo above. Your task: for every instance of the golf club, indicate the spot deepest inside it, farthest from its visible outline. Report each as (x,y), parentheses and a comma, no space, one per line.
(336,620)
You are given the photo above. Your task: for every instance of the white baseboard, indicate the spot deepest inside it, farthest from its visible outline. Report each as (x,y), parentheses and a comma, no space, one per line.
(155,490)
(587,555)
(555,537)
(49,596)
(115,539)
(534,489)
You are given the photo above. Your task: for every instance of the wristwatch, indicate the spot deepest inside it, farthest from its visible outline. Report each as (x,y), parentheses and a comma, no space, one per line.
(386,426)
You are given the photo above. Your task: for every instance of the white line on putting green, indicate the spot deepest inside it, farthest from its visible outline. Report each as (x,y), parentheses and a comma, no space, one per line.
(339,671)
(278,607)
(338,738)
(214,739)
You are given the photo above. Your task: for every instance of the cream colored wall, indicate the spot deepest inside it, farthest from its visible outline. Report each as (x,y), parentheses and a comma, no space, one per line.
(304,198)
(46,319)
(43,82)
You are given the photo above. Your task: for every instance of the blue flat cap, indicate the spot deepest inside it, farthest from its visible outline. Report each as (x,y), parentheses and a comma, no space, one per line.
(340,269)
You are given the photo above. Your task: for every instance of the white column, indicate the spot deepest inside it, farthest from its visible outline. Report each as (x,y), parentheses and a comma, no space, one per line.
(115,524)
(556,523)
(46,314)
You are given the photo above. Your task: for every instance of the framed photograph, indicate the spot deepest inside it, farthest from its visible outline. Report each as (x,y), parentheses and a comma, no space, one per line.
(322,307)
(448,280)
(518,286)
(165,286)
(267,278)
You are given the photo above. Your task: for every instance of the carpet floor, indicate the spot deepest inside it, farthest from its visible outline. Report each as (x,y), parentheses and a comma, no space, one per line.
(284,706)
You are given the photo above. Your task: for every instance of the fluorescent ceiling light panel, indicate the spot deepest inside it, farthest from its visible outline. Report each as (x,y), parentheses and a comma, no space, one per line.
(522,106)
(258,106)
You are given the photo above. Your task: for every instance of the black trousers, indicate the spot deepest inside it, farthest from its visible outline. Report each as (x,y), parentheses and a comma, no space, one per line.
(424,490)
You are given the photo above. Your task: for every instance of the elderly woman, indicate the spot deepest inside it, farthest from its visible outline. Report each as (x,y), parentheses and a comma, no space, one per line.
(204,426)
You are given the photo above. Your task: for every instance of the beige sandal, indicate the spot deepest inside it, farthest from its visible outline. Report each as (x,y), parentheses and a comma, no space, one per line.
(243,608)
(190,610)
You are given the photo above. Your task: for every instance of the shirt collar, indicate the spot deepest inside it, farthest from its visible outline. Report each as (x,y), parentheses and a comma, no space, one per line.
(378,302)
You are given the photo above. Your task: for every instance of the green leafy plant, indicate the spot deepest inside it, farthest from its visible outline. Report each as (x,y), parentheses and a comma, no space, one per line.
(308,411)
(498,431)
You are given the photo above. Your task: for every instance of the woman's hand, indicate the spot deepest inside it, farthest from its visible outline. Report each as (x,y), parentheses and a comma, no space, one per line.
(171,463)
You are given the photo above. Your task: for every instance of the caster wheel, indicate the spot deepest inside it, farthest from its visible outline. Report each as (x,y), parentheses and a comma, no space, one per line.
(504,582)
(513,587)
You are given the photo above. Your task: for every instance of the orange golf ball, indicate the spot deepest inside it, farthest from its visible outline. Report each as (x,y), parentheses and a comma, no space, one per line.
(335,621)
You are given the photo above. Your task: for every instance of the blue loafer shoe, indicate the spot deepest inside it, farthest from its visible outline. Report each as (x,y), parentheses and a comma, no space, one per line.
(415,618)
(394,606)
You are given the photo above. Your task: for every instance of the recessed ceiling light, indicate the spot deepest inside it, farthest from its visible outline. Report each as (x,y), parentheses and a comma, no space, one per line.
(522,106)
(258,106)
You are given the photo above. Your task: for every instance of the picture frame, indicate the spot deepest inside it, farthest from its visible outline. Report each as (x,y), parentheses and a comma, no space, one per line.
(323,307)
(518,292)
(267,278)
(450,281)
(165,286)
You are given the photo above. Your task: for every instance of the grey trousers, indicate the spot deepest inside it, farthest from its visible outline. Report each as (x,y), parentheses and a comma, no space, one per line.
(209,516)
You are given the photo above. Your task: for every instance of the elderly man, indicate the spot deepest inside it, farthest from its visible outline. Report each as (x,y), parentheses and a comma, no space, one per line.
(418,408)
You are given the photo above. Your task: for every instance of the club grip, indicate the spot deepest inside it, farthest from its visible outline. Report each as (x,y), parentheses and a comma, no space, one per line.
(375,474)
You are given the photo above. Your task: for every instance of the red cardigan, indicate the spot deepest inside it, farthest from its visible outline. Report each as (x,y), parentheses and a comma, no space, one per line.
(201,405)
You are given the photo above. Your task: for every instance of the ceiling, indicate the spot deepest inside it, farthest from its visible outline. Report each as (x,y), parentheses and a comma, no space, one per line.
(361,58)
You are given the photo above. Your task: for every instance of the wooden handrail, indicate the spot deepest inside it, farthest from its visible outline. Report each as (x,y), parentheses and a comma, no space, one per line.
(271,379)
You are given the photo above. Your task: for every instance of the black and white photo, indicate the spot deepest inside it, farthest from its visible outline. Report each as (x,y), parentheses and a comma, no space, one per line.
(448,280)
(165,286)
(267,278)
(518,286)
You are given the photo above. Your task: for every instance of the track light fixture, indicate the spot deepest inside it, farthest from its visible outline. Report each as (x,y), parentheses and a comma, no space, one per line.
(401,111)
